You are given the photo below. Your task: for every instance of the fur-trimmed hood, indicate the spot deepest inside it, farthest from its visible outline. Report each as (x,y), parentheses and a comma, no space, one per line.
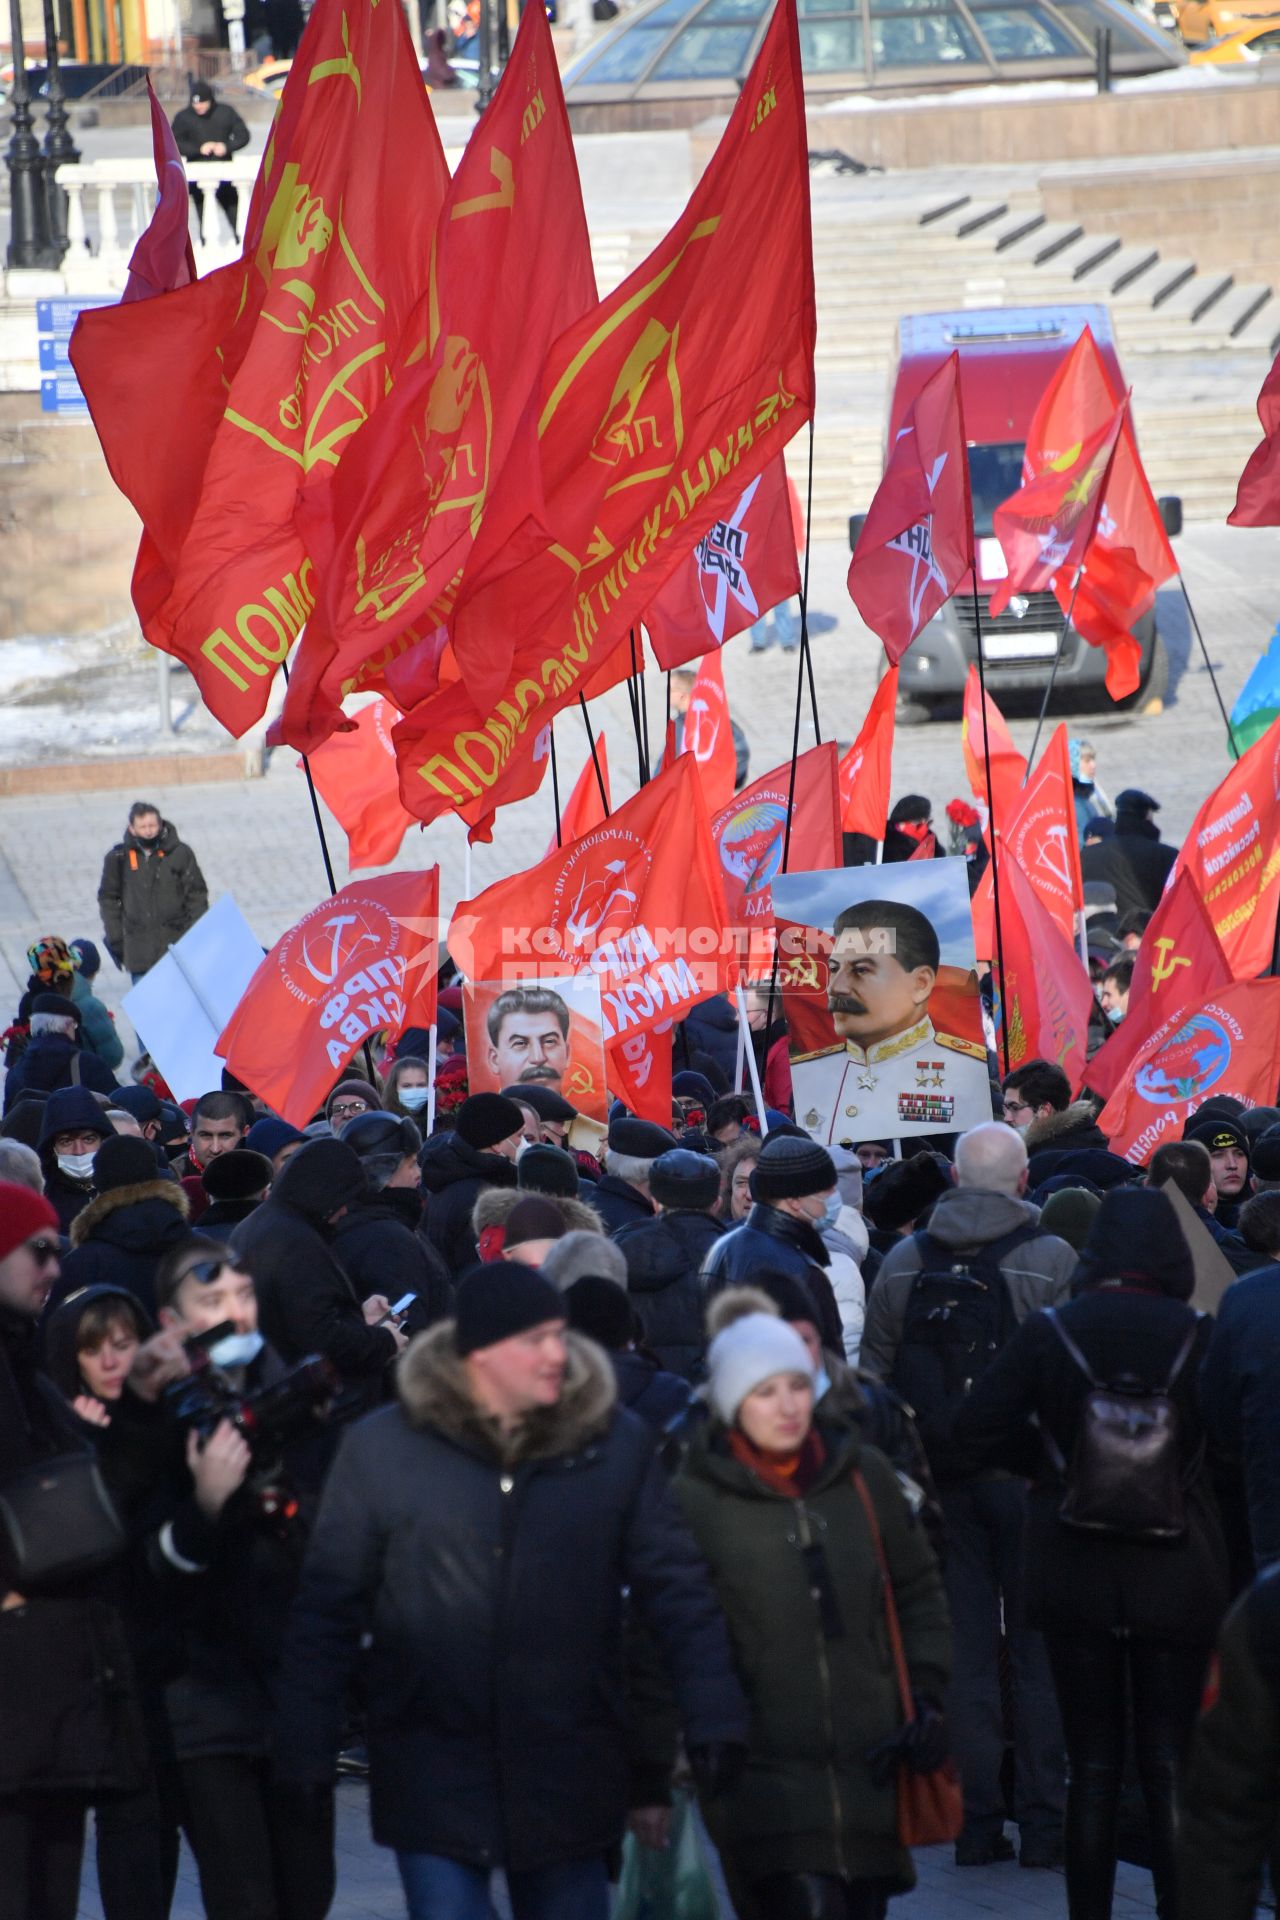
(431,1383)
(494,1205)
(154,1195)
(1076,1126)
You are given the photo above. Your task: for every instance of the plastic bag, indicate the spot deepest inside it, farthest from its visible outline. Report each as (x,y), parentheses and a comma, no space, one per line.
(671,1885)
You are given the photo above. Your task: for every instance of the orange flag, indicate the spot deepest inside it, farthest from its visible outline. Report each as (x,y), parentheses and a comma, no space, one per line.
(639,1073)
(638,900)
(390,528)
(707,733)
(1233,856)
(355,776)
(1045,997)
(865,771)
(1227,1043)
(1178,961)
(586,807)
(1008,766)
(750,833)
(361,963)
(218,404)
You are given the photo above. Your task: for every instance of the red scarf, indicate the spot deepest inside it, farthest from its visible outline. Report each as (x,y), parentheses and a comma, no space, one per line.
(791,1474)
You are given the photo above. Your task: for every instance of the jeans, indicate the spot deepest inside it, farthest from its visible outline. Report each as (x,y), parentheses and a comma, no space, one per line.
(984,1582)
(41,1847)
(256,1860)
(1093,1673)
(439,1889)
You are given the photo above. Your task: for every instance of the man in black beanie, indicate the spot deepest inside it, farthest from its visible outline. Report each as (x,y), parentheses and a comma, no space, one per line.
(792,1184)
(456,1167)
(498,1722)
(665,1258)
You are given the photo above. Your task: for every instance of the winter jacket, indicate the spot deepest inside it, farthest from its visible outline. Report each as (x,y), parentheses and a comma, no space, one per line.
(120,1238)
(711,1028)
(665,1258)
(221,1217)
(882,1419)
(660,1398)
(1229,1806)
(97,1028)
(380,1251)
(770,1239)
(51,1060)
(306,1302)
(1240,1391)
(1053,1136)
(149,899)
(618,1204)
(847,1244)
(69,1721)
(491,1211)
(192,130)
(1134,861)
(801,1591)
(1080,1582)
(454,1176)
(487,1571)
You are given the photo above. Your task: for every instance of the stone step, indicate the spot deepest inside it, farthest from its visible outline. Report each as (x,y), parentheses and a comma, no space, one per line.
(1232,314)
(1195,297)
(1041,245)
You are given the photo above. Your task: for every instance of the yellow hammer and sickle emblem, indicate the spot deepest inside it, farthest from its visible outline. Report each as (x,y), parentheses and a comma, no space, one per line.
(1165,963)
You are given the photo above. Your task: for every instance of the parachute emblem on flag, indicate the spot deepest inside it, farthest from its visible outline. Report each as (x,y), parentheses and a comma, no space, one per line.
(722,559)
(1192,1061)
(751,845)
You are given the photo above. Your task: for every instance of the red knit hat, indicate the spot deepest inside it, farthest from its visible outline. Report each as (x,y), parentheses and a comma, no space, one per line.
(23,1212)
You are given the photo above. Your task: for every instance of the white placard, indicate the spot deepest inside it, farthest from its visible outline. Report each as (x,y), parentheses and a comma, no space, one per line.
(180,1007)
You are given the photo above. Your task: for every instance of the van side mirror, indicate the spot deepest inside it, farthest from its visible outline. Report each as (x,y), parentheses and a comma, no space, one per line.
(1170,506)
(857,521)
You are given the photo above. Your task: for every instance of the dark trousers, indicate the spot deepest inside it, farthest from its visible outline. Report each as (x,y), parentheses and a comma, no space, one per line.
(226,197)
(985,1520)
(41,1848)
(137,1841)
(819,1896)
(256,1862)
(1094,1674)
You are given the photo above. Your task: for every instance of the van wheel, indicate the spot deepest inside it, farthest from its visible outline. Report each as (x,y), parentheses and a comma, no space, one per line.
(913,712)
(1151,693)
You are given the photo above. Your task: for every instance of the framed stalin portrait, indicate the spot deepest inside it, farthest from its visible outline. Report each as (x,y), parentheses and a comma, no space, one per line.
(879,986)
(546,1033)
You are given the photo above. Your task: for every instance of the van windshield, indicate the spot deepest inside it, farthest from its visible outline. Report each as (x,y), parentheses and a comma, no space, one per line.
(994,473)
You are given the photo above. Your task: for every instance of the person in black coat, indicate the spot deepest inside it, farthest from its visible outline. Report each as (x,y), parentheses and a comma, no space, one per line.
(790,1184)
(121,1236)
(236,1183)
(665,1258)
(54,1057)
(457,1167)
(1123,1616)
(602,1311)
(306,1302)
(152,889)
(377,1239)
(1240,1389)
(1133,860)
(72,1129)
(621,1195)
(497,1710)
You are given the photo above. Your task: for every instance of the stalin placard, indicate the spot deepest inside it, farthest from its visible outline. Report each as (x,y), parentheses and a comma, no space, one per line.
(881,994)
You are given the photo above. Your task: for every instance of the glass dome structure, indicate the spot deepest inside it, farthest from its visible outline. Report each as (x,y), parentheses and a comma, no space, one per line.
(683,49)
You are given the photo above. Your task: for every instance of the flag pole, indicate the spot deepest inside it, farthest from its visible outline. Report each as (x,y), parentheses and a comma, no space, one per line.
(595,758)
(431,1079)
(1053,671)
(634,701)
(991,817)
(806,655)
(638,673)
(752,1068)
(791,796)
(1217,692)
(555,784)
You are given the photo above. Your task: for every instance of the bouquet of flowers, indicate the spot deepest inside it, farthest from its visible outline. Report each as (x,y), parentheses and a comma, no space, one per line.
(963,819)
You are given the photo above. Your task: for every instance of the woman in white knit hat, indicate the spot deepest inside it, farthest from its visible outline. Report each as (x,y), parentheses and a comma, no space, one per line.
(808,1829)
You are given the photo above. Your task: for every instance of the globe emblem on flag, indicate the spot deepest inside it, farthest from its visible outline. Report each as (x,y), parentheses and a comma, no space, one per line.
(751,844)
(1192,1061)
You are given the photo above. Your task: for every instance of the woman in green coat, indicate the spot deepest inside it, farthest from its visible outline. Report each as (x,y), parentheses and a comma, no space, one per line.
(808,1831)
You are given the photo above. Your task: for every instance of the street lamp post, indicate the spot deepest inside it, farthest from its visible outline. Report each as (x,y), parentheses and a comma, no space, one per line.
(59,148)
(28,211)
(484,39)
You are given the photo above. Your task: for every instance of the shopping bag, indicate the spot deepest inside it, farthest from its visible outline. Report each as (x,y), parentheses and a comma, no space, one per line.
(668,1885)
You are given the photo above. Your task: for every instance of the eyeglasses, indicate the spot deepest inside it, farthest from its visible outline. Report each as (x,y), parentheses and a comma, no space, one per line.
(45,1251)
(343,1109)
(205,1271)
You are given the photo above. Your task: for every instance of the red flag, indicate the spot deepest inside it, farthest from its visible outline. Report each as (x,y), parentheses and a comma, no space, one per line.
(916,545)
(1233,856)
(1228,1043)
(650,418)
(1178,961)
(355,776)
(1258,495)
(357,964)
(742,567)
(1041,838)
(707,734)
(639,1073)
(1008,766)
(1045,995)
(219,404)
(585,807)
(639,900)
(162,261)
(1112,596)
(1046,526)
(390,528)
(751,831)
(864,772)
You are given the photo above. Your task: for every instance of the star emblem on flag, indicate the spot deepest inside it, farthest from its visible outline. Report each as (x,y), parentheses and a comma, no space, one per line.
(721,555)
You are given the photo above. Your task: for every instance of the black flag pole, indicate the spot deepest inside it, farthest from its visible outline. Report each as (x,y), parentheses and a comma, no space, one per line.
(595,757)
(991,821)
(1217,691)
(1053,671)
(555,784)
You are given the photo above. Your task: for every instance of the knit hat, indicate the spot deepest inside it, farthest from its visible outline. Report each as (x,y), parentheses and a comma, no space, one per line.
(534,1218)
(583,1253)
(1136,1235)
(141,1102)
(545,1101)
(50,957)
(638,1139)
(900,1193)
(24,1121)
(369,1094)
(1259,1120)
(494,1303)
(546,1169)
(688,1085)
(238,1175)
(486,1119)
(1218,1134)
(268,1135)
(790,1168)
(1264,1162)
(602,1311)
(23,1213)
(90,960)
(58,1004)
(1070,1214)
(746,1354)
(124,1161)
(685,1180)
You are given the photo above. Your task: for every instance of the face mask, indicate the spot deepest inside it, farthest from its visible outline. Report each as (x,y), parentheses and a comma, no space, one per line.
(237,1350)
(415,1098)
(830,1212)
(76,1166)
(1114,1015)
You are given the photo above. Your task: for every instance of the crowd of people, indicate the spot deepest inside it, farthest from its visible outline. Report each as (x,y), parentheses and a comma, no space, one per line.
(561,1492)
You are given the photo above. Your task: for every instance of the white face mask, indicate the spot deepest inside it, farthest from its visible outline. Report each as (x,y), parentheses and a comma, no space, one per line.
(76,1166)
(414,1098)
(237,1350)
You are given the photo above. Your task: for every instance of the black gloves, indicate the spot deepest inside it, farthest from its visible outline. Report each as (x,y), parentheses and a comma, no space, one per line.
(716,1768)
(923,1744)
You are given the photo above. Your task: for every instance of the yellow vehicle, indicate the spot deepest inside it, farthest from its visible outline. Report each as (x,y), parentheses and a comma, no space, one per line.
(269,77)
(1253,42)
(1203,20)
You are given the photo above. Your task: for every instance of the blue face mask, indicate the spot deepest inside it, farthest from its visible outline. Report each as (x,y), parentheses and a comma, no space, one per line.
(1114,1014)
(414,1098)
(831,1212)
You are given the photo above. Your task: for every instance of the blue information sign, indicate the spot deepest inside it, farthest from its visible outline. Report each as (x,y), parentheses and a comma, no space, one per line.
(55,319)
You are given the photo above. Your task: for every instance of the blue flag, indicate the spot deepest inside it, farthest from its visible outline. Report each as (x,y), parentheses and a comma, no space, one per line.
(1259,702)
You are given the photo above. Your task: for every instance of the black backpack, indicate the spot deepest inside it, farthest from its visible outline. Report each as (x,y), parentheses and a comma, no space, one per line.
(1125,1479)
(958,1316)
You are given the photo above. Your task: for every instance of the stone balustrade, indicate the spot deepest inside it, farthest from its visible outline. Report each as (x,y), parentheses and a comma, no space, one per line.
(110,203)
